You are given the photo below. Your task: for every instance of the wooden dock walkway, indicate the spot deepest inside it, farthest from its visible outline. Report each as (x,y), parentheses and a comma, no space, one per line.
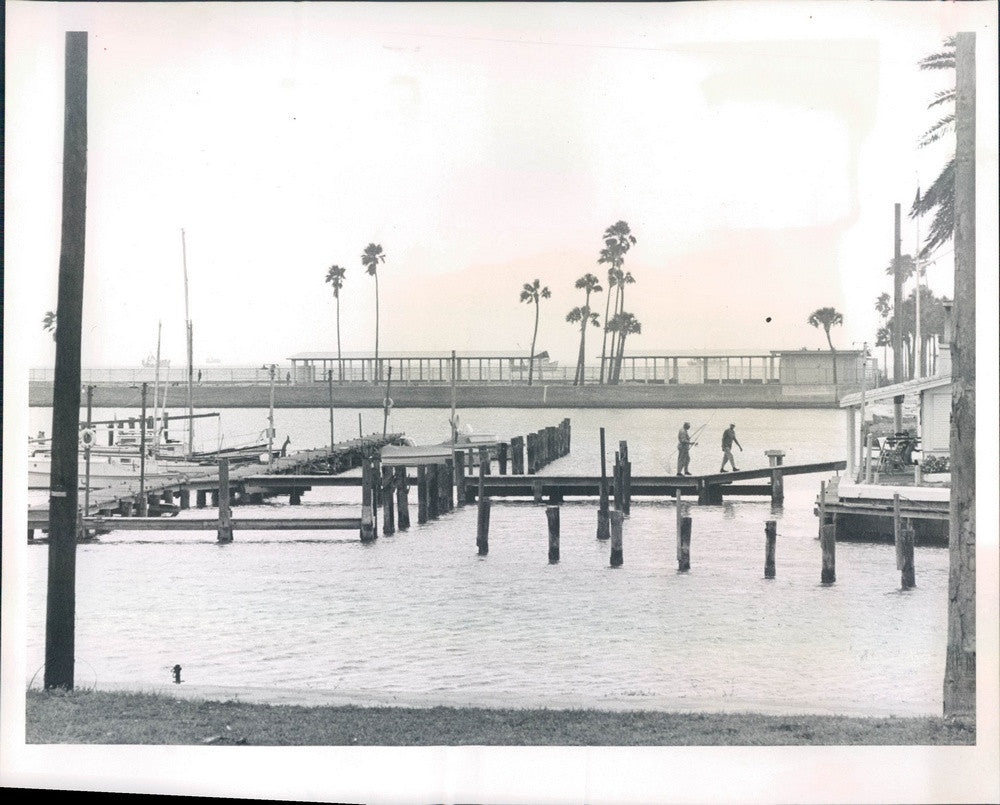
(707,488)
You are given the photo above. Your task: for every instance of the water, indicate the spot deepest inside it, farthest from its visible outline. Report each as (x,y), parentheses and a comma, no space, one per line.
(419,618)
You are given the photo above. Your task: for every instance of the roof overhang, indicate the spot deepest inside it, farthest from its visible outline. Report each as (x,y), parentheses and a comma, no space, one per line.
(909,388)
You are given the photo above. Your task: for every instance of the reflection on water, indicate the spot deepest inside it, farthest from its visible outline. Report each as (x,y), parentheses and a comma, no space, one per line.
(418,617)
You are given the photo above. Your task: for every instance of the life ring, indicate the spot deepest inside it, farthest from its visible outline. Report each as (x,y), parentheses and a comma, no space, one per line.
(87,437)
(387,403)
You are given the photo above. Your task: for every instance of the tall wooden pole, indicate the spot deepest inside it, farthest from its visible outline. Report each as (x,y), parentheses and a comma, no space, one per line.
(86,453)
(60,614)
(270,417)
(190,350)
(143,503)
(960,662)
(898,374)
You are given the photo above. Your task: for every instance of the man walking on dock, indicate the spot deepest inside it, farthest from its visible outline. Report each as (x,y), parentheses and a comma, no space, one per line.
(684,449)
(728,437)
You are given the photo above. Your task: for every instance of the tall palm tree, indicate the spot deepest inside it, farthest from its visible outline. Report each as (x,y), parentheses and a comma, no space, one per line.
(335,276)
(607,256)
(883,305)
(49,323)
(531,293)
(827,317)
(940,196)
(624,324)
(589,284)
(618,239)
(370,259)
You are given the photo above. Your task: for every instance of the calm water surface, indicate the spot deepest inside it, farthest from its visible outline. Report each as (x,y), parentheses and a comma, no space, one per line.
(419,618)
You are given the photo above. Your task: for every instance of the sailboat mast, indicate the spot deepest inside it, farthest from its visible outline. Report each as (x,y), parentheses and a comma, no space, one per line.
(190,352)
(156,388)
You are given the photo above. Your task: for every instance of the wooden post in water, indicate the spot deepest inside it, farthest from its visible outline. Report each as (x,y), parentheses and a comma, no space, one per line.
(295,497)
(502,458)
(616,538)
(536,491)
(388,503)
(447,483)
(201,498)
(421,494)
(616,474)
(603,527)
(225,532)
(774,459)
(770,538)
(903,534)
(684,545)
(483,526)
(367,501)
(402,499)
(517,457)
(529,444)
(460,476)
(552,516)
(185,498)
(432,491)
(828,544)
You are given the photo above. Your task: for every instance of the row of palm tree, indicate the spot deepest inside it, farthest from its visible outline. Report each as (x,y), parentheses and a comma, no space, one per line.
(619,323)
(371,257)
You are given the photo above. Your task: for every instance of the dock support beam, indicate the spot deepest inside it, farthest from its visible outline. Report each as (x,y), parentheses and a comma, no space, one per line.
(617,555)
(421,495)
(684,545)
(774,459)
(770,538)
(552,516)
(225,532)
(402,499)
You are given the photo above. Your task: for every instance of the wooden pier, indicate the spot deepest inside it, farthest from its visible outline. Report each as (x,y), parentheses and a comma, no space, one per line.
(707,488)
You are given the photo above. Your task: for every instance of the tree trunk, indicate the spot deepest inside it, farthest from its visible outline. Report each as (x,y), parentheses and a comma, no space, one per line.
(833,352)
(614,335)
(604,340)
(897,307)
(375,370)
(340,362)
(578,377)
(960,659)
(534,335)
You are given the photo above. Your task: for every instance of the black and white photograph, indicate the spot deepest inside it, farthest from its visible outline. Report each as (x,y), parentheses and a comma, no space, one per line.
(441,402)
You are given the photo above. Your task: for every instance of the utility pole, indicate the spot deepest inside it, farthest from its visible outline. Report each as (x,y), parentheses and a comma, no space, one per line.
(60,612)
(898,374)
(960,659)
(190,351)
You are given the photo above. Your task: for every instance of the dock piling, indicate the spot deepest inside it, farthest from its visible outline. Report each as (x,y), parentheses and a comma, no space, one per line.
(388,507)
(460,492)
(225,531)
(433,493)
(402,499)
(517,455)
(684,545)
(552,516)
(616,538)
(502,458)
(603,521)
(774,459)
(421,495)
(483,526)
(828,544)
(903,535)
(367,501)
(770,538)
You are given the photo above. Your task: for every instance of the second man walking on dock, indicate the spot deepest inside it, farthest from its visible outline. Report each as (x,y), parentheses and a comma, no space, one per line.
(728,438)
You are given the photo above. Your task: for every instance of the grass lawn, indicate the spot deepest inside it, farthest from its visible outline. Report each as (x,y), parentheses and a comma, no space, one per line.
(102,717)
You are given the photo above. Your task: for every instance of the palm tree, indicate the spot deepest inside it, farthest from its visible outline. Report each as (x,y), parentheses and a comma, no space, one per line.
(335,276)
(590,284)
(618,239)
(624,324)
(531,293)
(827,317)
(940,196)
(370,259)
(883,305)
(607,256)
(49,323)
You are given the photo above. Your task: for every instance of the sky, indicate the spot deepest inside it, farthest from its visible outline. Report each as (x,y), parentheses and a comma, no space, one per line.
(755,149)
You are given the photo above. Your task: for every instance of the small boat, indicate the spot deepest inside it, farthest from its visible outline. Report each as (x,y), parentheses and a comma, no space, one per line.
(151,363)
(113,470)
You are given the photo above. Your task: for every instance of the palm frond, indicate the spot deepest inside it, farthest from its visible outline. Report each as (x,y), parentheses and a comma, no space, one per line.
(944,96)
(946,125)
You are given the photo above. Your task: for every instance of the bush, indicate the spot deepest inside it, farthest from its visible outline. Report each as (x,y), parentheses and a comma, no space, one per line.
(932,464)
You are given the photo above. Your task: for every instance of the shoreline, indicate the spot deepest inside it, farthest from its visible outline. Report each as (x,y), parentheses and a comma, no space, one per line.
(103,717)
(485,395)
